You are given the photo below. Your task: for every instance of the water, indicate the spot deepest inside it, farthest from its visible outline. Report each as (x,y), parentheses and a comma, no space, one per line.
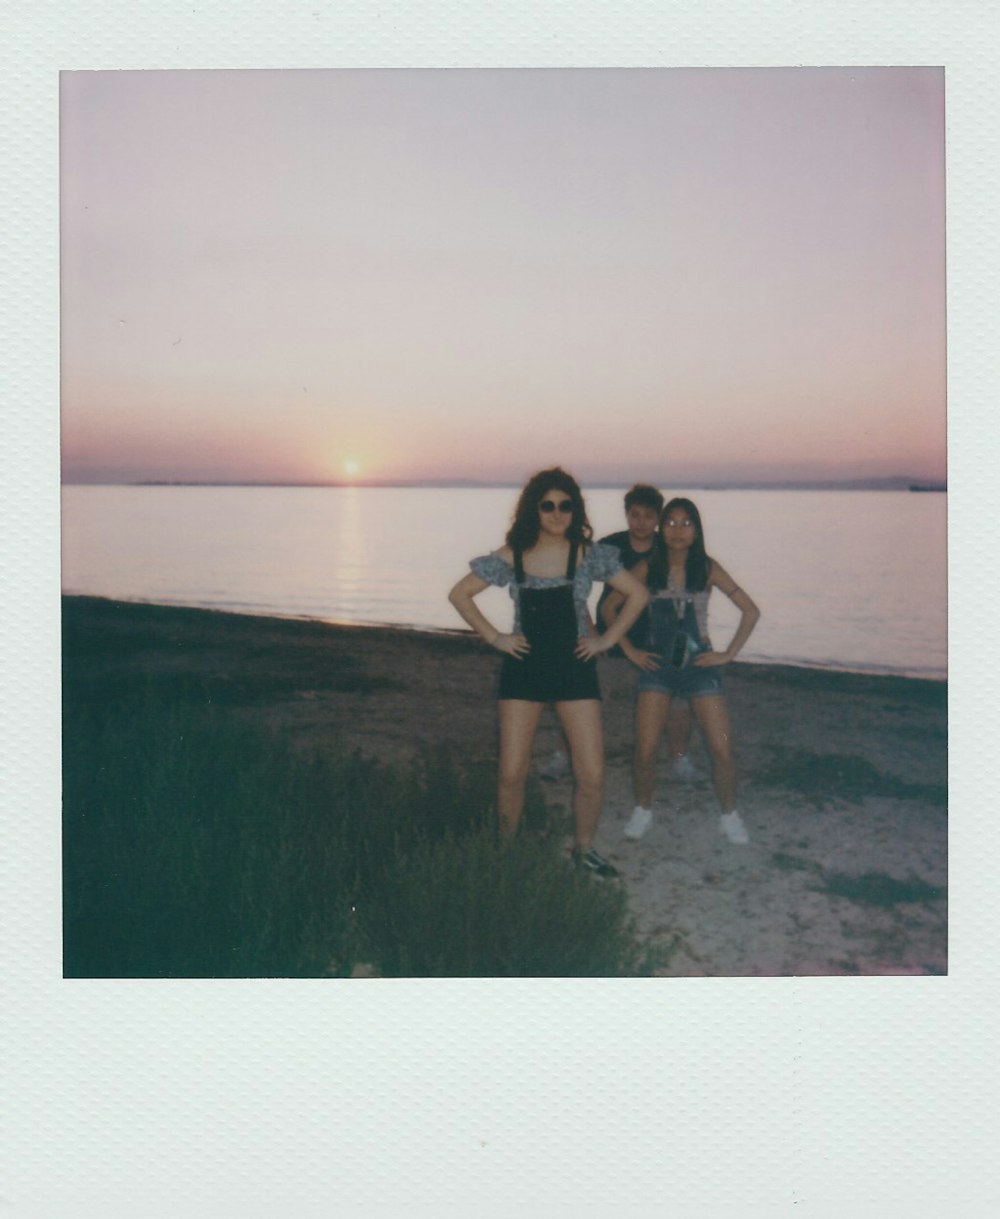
(844,579)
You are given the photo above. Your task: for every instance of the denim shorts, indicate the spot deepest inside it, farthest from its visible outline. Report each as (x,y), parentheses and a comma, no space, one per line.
(689,682)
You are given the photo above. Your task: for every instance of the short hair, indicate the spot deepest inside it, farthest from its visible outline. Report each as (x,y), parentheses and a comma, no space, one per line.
(645,496)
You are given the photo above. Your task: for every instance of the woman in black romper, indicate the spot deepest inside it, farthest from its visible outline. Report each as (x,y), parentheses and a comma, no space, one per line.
(550,563)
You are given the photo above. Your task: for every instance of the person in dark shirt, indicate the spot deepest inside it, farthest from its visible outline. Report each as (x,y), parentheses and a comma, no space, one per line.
(642,514)
(643,505)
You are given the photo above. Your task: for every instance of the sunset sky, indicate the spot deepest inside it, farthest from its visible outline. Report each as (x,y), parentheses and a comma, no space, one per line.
(673,274)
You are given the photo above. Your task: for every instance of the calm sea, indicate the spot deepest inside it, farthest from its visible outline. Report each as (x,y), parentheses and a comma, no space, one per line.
(844,579)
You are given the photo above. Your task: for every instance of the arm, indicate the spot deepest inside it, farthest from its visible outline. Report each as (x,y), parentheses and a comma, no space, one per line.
(635,596)
(749,614)
(609,612)
(611,606)
(613,603)
(461,597)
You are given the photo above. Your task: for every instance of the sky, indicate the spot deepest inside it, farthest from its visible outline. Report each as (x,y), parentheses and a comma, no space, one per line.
(672,275)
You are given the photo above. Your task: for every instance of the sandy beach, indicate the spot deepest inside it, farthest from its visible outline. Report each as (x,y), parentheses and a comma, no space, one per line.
(843,777)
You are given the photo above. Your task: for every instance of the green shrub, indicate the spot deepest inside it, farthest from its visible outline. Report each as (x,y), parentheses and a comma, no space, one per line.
(189,844)
(878,888)
(820,777)
(473,907)
(196,845)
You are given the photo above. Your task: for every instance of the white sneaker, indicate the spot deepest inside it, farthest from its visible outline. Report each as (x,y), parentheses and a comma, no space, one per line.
(639,822)
(685,770)
(732,826)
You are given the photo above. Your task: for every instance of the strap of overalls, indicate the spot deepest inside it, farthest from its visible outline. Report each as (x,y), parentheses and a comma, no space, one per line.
(571,565)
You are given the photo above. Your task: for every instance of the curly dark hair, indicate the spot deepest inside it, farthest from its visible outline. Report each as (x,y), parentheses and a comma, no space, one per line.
(525,526)
(698,562)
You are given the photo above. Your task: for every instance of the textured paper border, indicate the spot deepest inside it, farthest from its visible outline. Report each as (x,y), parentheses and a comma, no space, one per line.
(690,1097)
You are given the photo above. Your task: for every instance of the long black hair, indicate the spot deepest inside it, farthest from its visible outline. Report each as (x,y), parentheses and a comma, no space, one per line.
(698,562)
(525,527)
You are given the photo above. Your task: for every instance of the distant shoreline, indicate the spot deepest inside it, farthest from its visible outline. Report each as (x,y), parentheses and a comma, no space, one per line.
(469,485)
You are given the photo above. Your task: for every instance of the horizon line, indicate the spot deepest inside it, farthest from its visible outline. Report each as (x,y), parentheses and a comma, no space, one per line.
(886,483)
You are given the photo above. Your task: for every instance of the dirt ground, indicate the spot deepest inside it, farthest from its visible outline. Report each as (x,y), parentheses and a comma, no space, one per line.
(843,777)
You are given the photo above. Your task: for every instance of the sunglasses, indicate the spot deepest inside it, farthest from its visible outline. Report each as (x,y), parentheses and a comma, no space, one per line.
(550,505)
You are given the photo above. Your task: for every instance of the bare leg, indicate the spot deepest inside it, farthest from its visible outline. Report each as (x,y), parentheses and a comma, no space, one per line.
(712,715)
(651,710)
(581,721)
(518,722)
(679,724)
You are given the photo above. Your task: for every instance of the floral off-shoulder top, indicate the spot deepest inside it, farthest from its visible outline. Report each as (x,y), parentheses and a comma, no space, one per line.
(596,563)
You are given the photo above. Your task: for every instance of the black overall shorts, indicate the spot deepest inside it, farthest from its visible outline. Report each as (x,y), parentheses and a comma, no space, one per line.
(551,672)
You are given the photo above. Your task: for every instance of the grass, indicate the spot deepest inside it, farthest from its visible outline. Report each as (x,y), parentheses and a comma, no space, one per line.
(465,907)
(867,889)
(793,863)
(197,845)
(820,777)
(879,889)
(188,845)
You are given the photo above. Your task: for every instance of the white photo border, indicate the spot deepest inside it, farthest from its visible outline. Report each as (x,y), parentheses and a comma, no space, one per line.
(693,1097)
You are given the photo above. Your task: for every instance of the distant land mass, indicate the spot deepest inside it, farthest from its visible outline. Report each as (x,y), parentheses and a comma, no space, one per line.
(847,484)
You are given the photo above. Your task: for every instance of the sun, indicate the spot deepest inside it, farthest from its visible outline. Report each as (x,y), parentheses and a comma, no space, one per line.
(351,467)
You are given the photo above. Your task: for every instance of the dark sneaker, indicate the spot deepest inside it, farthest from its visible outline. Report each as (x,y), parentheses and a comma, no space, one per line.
(590,861)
